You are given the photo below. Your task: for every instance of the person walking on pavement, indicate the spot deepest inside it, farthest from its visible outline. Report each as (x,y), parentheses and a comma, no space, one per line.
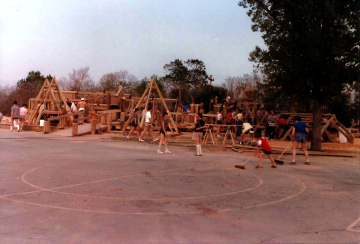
(15,114)
(23,115)
(135,124)
(163,133)
(148,126)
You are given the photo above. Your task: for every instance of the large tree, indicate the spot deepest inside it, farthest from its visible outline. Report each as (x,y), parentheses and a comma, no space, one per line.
(110,82)
(80,80)
(30,86)
(189,73)
(311,53)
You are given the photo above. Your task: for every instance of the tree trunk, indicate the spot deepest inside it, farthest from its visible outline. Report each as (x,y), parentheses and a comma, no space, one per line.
(316,128)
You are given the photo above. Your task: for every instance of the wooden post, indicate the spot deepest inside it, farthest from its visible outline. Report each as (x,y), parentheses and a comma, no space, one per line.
(81,117)
(74,129)
(93,126)
(197,108)
(46,127)
(108,121)
(103,119)
(178,118)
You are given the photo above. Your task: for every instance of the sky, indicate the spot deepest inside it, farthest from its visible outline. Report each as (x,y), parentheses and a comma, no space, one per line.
(141,36)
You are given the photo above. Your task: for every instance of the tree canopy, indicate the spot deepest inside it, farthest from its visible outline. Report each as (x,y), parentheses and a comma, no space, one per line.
(189,73)
(312,51)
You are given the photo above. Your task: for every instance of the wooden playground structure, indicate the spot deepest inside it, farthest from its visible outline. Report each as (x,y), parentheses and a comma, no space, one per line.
(114,110)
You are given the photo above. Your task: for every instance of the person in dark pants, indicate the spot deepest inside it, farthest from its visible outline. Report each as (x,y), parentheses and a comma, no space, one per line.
(239,127)
(271,125)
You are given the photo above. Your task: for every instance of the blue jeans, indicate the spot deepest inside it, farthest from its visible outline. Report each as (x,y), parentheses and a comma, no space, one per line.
(300,137)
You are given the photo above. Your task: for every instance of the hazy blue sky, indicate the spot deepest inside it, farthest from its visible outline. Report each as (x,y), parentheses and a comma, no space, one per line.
(56,36)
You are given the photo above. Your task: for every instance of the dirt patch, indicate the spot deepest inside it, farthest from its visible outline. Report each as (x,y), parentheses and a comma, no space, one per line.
(146,173)
(205,210)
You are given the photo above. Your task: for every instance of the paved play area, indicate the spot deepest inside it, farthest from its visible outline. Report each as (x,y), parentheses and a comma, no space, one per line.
(80,190)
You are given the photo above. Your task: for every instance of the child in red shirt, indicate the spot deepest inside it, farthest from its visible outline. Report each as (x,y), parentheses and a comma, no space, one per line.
(266,149)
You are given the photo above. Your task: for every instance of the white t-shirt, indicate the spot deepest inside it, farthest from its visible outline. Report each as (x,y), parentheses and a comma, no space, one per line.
(23,111)
(246,127)
(239,116)
(218,117)
(147,117)
(73,108)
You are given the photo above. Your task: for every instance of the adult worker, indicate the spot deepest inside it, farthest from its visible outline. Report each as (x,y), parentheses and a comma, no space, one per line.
(298,135)
(271,125)
(148,126)
(23,115)
(82,105)
(247,129)
(15,114)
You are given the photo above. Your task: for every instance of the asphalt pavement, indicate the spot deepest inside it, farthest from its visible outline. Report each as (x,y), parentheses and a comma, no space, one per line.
(75,190)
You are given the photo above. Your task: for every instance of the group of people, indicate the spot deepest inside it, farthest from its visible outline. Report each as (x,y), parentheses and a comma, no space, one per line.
(149,124)
(18,116)
(299,134)
(244,121)
(77,107)
(243,125)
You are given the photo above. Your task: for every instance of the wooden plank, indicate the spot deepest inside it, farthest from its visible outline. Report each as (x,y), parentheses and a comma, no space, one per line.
(326,125)
(287,134)
(350,137)
(173,124)
(133,111)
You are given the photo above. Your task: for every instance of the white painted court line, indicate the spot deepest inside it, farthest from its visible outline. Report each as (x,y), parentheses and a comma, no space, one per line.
(350,227)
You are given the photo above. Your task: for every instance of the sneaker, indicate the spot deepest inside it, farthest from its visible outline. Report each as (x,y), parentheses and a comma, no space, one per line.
(159,151)
(218,136)
(307,163)
(167,151)
(128,137)
(156,139)
(141,139)
(292,163)
(11,130)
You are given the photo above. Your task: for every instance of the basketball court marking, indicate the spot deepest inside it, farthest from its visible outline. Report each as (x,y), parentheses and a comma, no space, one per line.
(350,227)
(135,199)
(143,213)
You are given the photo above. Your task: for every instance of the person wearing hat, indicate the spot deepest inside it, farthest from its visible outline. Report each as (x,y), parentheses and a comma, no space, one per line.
(82,105)
(298,135)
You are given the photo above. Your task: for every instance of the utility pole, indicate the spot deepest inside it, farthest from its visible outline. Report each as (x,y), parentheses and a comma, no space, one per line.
(211,79)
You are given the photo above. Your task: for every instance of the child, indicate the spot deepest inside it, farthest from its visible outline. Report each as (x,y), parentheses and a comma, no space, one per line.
(298,135)
(163,133)
(266,149)
(198,133)
(134,123)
